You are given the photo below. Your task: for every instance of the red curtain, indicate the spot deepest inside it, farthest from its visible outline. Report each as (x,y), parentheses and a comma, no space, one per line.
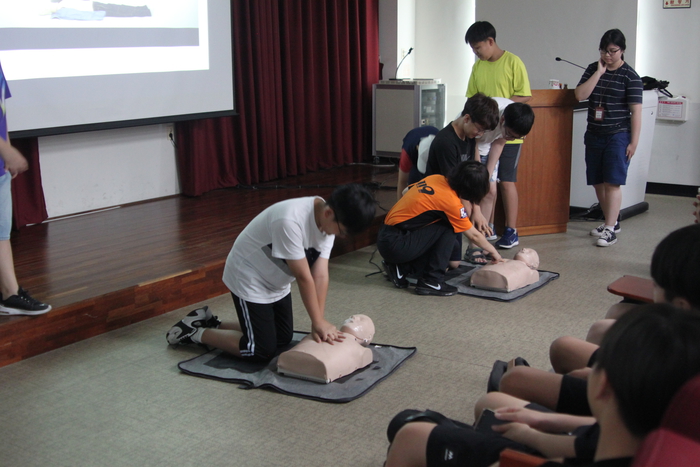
(28,204)
(303,75)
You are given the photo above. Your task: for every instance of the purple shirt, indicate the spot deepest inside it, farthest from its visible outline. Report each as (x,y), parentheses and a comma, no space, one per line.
(4,94)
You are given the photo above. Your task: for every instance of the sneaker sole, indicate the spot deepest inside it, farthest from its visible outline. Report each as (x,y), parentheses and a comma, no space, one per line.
(606,243)
(16,311)
(437,293)
(175,336)
(509,246)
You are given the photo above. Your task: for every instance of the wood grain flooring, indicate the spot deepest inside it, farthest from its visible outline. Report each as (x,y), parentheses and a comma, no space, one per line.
(109,269)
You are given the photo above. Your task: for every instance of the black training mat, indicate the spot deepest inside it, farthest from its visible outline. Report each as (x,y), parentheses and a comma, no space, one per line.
(460,278)
(219,365)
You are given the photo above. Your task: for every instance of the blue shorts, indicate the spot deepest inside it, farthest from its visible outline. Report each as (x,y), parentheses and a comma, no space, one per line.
(606,158)
(5,206)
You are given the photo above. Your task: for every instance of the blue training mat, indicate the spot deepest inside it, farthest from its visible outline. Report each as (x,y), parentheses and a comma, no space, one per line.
(221,366)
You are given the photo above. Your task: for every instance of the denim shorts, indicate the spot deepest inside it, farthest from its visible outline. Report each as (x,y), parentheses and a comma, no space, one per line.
(5,206)
(606,158)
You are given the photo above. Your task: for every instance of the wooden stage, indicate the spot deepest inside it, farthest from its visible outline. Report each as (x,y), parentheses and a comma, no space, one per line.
(105,270)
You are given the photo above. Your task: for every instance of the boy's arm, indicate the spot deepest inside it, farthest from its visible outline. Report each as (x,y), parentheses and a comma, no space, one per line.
(15,163)
(313,290)
(549,445)
(477,238)
(495,154)
(522,99)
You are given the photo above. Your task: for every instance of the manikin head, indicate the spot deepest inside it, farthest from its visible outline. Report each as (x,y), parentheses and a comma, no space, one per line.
(529,257)
(360,326)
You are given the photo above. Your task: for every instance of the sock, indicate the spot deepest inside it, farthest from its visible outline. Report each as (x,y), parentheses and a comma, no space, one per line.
(610,227)
(197,336)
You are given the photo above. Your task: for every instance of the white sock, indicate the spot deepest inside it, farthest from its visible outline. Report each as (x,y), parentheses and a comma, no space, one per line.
(610,227)
(197,336)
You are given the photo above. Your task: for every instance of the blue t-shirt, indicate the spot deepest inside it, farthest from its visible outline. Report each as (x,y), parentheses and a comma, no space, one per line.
(4,94)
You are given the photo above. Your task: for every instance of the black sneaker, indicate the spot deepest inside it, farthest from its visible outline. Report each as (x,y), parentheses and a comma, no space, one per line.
(23,304)
(202,318)
(598,231)
(181,333)
(442,289)
(395,275)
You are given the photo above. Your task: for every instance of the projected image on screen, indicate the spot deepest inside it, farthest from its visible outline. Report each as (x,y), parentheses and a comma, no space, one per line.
(63,36)
(79,65)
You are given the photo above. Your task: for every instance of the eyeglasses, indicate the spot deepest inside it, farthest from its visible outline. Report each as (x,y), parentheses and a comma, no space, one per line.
(510,136)
(341,232)
(609,52)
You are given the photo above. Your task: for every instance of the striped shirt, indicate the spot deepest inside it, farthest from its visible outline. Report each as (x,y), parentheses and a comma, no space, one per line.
(615,92)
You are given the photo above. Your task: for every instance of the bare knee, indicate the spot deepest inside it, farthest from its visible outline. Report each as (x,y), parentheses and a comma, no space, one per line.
(514,380)
(410,445)
(495,400)
(598,330)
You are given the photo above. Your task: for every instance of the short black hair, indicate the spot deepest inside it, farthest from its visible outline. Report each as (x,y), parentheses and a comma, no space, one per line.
(675,265)
(479,32)
(519,117)
(647,355)
(482,110)
(615,37)
(470,180)
(353,206)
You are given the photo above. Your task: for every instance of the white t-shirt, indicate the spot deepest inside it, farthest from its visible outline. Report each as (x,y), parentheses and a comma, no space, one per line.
(255,268)
(485,140)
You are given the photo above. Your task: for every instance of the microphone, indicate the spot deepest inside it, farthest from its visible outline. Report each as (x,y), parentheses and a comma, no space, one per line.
(404,58)
(559,59)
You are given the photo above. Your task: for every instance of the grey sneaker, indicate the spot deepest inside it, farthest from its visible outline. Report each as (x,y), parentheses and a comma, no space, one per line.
(23,304)
(607,238)
(598,231)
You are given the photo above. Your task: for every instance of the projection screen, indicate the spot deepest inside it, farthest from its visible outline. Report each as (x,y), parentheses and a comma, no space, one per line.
(79,65)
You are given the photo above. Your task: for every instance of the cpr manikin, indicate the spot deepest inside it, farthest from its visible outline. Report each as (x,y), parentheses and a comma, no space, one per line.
(323,362)
(509,275)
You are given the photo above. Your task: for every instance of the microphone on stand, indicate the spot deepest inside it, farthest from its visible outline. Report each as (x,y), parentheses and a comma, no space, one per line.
(404,58)
(559,59)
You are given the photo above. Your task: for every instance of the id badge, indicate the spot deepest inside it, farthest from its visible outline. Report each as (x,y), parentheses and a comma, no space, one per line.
(599,113)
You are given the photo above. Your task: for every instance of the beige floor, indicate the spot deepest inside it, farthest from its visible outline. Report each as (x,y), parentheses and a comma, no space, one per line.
(119,399)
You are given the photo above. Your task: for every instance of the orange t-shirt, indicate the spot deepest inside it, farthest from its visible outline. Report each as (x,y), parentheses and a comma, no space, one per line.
(426,202)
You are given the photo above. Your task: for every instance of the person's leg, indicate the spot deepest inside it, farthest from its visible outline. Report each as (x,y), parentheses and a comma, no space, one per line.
(569,353)
(8,280)
(495,400)
(620,308)
(507,176)
(532,384)
(598,330)
(509,194)
(613,201)
(410,445)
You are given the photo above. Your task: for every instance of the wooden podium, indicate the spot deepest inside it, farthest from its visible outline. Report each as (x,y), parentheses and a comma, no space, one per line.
(544,169)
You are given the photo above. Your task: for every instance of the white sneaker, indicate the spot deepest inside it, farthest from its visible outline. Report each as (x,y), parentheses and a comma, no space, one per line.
(607,238)
(598,231)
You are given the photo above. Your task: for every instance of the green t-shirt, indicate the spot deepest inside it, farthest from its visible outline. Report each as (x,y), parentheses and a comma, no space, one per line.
(505,77)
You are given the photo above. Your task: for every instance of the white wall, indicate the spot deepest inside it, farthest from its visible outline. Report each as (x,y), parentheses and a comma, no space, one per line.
(88,171)
(665,45)
(667,41)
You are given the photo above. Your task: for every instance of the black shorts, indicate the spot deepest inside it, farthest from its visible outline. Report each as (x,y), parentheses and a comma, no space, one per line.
(266,327)
(573,398)
(508,163)
(454,443)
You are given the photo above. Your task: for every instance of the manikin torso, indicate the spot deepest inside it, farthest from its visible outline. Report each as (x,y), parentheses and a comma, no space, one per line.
(323,362)
(509,275)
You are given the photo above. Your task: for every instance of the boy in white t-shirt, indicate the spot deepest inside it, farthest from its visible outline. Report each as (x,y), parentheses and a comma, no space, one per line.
(290,240)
